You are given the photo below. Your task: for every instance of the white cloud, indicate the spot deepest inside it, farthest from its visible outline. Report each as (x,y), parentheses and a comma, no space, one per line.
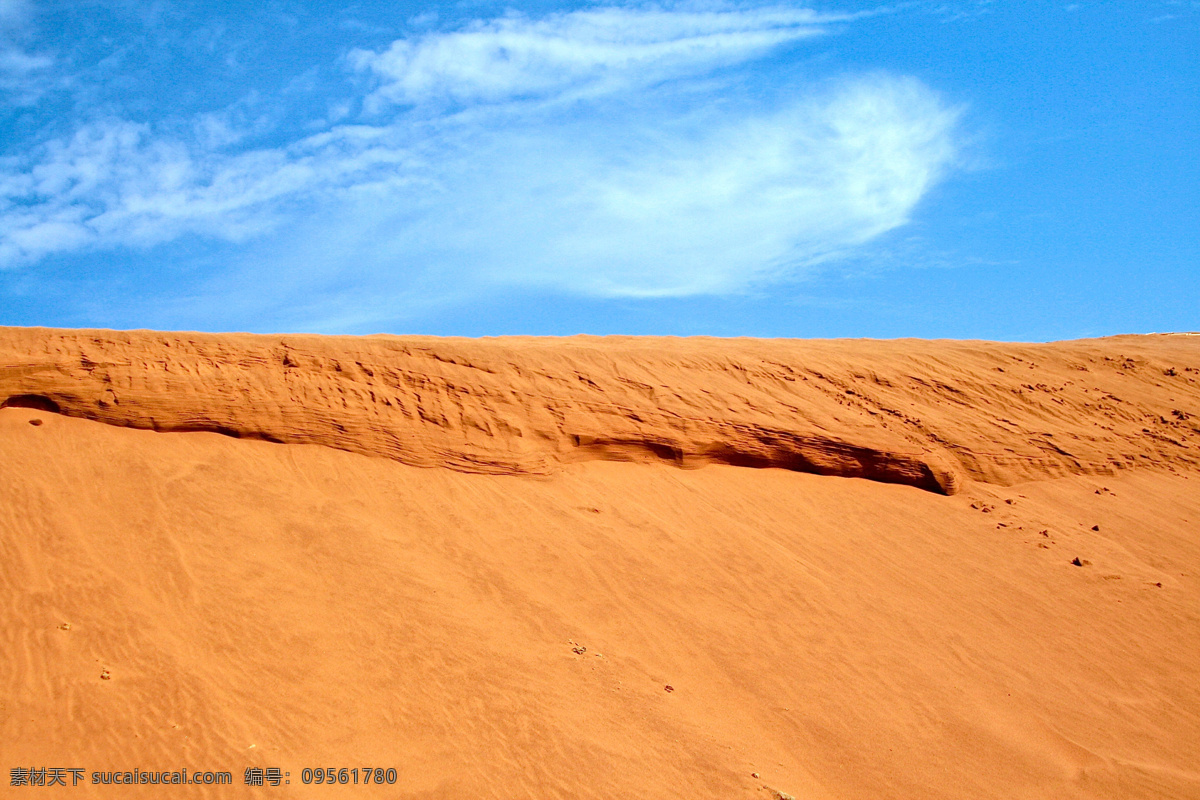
(705,203)
(644,187)
(114,183)
(22,73)
(603,49)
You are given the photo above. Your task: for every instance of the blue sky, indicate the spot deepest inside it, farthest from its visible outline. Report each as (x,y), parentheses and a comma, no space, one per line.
(995,170)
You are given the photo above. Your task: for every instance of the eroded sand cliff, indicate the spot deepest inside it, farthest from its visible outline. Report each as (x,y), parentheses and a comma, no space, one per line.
(920,413)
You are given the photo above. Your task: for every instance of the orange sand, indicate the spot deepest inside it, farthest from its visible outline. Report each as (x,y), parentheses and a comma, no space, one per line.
(479,562)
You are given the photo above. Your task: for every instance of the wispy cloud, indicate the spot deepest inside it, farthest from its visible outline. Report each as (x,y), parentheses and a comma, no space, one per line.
(21,71)
(605,49)
(116,183)
(14,13)
(706,201)
(590,152)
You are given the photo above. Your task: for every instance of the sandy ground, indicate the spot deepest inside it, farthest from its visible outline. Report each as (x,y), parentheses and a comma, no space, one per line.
(192,600)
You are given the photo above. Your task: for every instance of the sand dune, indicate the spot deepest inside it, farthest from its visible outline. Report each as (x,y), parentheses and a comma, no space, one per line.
(480,563)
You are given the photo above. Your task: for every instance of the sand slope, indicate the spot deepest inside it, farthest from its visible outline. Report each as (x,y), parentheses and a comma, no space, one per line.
(508,627)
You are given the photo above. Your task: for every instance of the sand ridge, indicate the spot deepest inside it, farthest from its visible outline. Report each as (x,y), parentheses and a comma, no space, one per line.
(927,414)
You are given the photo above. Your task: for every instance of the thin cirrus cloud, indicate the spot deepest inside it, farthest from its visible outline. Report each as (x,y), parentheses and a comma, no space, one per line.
(17,65)
(604,49)
(115,183)
(607,152)
(14,13)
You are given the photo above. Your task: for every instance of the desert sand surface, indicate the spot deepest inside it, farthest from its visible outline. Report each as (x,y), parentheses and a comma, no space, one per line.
(609,567)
